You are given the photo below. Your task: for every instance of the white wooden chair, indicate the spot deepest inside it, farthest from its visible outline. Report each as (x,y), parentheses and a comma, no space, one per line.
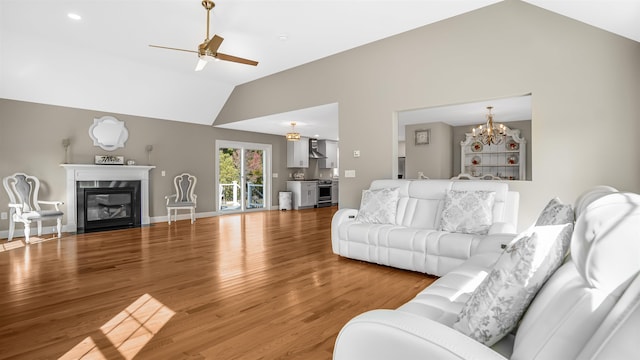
(184,198)
(24,205)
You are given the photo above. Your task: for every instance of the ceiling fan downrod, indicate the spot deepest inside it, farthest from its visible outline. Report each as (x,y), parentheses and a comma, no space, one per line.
(208,4)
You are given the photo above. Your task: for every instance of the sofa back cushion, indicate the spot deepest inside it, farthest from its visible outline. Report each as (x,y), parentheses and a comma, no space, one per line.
(573,303)
(421,202)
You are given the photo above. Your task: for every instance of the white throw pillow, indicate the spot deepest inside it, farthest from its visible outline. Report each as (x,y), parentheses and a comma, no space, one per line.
(469,212)
(555,213)
(378,206)
(496,306)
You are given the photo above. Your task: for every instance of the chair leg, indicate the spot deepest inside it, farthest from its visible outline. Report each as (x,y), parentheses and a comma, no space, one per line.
(193,217)
(27,231)
(39,228)
(12,227)
(169,215)
(59,226)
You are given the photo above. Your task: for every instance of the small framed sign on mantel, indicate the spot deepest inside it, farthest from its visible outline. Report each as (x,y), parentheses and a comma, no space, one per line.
(109,160)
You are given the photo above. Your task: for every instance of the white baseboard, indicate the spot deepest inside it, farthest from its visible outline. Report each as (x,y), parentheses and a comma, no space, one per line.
(19,231)
(183,216)
(47,229)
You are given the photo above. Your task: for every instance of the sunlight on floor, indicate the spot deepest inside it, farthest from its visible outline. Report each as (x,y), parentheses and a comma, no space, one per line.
(10,245)
(17,244)
(126,333)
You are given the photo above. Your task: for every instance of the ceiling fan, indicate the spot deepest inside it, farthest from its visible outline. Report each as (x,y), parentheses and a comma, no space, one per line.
(208,50)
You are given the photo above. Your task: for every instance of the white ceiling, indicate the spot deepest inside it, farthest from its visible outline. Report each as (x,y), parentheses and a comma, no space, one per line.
(103,62)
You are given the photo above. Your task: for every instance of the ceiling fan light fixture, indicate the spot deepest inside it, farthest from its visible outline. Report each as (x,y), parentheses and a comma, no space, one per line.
(207,57)
(201,64)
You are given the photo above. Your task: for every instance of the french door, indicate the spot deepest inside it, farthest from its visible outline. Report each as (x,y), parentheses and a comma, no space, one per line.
(243,173)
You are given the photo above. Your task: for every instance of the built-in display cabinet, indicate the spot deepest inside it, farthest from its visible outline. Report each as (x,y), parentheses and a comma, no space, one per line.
(506,161)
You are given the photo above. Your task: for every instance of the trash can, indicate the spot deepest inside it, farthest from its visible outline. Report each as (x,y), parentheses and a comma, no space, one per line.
(284,200)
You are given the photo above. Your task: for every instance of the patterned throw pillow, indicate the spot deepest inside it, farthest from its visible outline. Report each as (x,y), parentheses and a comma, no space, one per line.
(378,206)
(496,306)
(469,212)
(555,213)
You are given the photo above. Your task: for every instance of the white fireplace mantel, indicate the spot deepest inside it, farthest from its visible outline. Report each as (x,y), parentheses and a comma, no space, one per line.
(88,172)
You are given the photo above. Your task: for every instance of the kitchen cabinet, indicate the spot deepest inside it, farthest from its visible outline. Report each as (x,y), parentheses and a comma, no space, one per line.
(330,149)
(505,161)
(305,193)
(334,192)
(298,153)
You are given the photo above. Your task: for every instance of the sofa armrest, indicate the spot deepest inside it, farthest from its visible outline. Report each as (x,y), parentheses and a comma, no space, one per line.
(393,334)
(494,243)
(502,228)
(341,216)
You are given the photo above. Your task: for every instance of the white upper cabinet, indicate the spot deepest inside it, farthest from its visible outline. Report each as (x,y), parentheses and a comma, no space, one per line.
(330,150)
(298,153)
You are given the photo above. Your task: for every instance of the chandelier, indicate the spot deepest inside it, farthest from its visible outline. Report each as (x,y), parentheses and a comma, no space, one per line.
(293,135)
(490,133)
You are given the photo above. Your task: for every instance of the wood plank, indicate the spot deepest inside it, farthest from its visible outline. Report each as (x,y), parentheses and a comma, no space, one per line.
(260,285)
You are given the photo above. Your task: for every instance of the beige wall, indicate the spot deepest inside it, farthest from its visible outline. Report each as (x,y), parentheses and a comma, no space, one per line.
(585,84)
(434,160)
(31,142)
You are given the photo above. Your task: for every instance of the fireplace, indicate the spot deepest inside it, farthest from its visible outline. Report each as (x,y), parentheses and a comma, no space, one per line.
(107,205)
(87,176)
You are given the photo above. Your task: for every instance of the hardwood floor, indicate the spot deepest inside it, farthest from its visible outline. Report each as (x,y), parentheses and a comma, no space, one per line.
(260,285)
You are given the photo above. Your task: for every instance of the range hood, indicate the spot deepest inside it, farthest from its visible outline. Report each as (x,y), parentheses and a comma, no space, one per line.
(313,150)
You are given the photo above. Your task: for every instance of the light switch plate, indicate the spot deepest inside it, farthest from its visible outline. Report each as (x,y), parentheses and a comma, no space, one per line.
(349,173)
(356,153)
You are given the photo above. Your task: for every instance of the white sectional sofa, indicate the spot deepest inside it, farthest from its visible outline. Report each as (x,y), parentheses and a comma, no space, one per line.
(413,240)
(589,308)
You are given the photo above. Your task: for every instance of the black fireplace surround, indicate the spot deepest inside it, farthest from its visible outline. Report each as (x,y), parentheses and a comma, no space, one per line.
(107,205)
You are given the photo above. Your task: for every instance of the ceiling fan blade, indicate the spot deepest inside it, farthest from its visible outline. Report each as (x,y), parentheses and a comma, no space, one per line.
(200,65)
(170,48)
(214,44)
(240,60)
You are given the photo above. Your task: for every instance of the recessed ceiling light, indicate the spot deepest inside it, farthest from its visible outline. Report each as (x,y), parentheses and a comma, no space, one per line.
(74,16)
(283,37)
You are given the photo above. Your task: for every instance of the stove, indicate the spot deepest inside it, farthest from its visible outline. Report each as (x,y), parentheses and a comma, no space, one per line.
(324,193)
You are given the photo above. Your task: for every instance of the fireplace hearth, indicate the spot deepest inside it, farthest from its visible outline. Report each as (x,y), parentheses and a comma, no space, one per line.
(107,205)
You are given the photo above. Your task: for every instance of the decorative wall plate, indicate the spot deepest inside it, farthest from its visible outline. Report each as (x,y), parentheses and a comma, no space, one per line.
(476,160)
(512,160)
(512,145)
(476,146)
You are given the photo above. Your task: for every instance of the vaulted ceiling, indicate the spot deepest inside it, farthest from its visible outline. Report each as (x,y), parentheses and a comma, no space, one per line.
(103,61)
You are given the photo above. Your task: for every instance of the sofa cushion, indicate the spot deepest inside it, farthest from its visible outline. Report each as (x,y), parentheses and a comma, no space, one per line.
(606,253)
(494,309)
(378,206)
(555,213)
(469,212)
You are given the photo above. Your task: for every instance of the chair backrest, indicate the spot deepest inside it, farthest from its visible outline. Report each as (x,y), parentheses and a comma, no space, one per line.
(23,189)
(185,184)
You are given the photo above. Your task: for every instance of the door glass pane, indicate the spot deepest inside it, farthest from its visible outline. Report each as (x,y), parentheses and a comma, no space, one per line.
(254,178)
(230,181)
